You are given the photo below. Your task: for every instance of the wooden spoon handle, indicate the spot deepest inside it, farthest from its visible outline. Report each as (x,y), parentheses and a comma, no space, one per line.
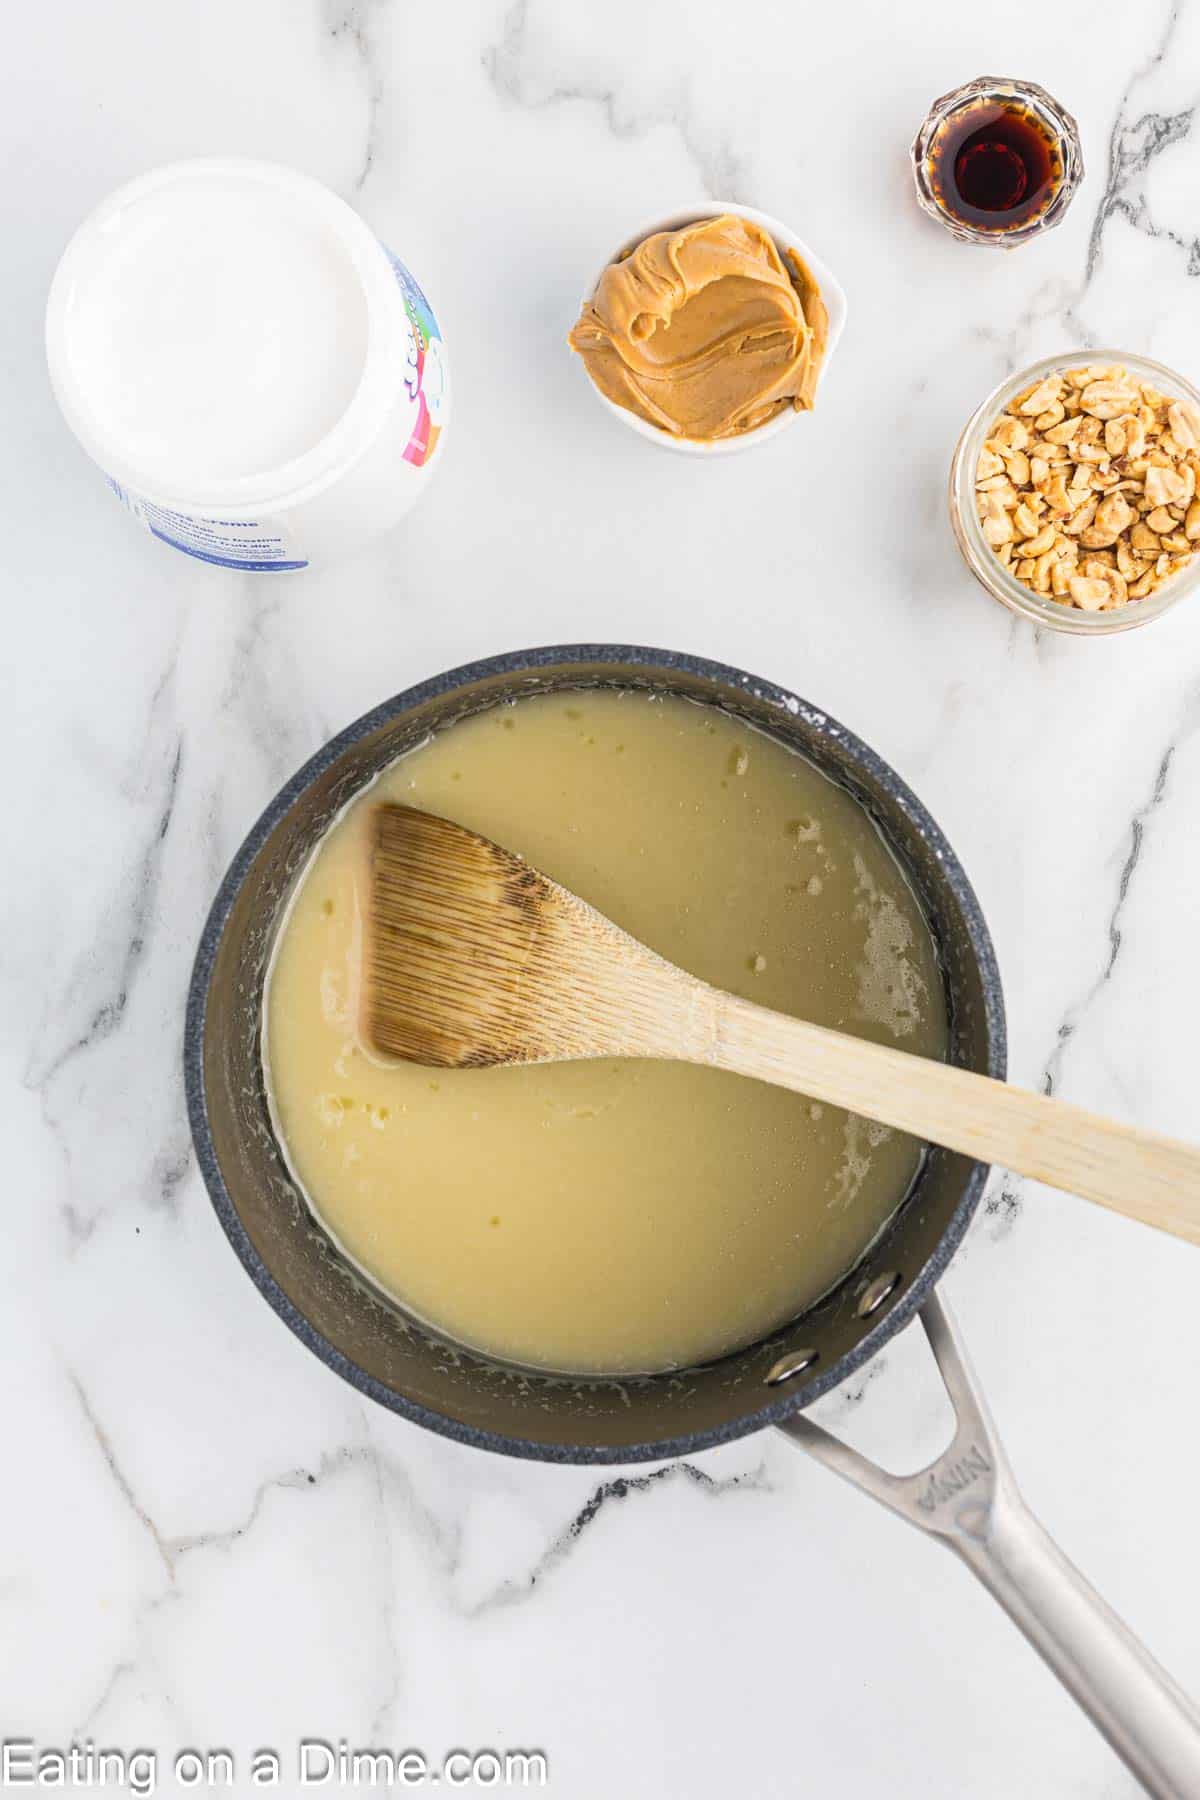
(1146,1177)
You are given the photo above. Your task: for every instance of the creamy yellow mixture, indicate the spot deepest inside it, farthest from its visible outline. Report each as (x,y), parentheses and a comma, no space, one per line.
(613,1216)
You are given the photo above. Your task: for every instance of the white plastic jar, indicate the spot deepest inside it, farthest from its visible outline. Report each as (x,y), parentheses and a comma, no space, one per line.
(262,382)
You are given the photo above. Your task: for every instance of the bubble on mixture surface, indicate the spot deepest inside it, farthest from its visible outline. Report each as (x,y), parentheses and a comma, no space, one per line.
(334,1002)
(857,1145)
(891,989)
(332,1109)
(812,886)
(739,761)
(805,830)
(756,963)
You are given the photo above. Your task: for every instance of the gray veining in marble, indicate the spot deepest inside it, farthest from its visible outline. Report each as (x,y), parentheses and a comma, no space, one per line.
(208,1538)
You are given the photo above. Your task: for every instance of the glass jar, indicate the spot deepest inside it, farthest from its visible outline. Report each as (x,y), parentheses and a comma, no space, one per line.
(978,554)
(1035,125)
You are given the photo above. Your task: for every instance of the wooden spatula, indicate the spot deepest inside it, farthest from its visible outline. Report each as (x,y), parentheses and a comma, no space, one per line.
(474,958)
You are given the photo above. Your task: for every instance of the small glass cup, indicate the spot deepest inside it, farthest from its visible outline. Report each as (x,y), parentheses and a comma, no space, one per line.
(952,111)
(978,554)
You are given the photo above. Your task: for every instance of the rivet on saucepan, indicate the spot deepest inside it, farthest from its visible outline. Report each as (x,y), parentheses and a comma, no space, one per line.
(794,1363)
(874,1295)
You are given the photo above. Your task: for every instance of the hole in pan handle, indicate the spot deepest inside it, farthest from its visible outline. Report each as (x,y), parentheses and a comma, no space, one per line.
(967,1497)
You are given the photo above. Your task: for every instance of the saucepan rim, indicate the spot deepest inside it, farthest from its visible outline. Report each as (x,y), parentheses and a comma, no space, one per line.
(615,657)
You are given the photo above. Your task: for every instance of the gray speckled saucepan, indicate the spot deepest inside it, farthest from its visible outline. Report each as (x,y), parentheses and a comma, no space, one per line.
(966,1497)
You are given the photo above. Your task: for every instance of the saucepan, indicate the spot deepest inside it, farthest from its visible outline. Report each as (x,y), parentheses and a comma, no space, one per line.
(966,1497)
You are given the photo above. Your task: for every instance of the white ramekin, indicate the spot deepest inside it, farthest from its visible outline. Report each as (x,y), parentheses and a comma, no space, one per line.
(831,293)
(368,468)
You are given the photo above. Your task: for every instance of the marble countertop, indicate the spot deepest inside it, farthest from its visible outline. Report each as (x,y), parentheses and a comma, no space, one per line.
(207,1538)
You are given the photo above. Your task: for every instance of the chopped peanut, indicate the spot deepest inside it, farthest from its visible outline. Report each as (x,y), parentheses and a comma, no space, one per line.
(1087,487)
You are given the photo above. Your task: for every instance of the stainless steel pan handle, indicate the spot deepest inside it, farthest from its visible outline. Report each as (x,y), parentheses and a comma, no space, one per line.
(968,1499)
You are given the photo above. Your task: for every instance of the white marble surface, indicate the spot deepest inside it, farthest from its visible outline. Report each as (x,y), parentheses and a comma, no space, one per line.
(207,1539)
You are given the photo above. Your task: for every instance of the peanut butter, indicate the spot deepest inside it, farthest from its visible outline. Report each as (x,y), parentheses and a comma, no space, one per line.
(703,331)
